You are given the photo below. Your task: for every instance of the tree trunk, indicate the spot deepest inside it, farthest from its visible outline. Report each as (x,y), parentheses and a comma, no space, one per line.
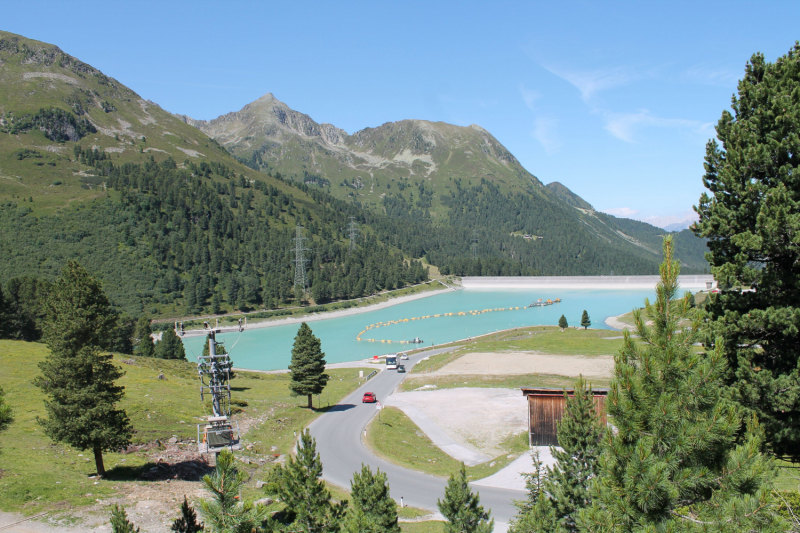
(98,459)
(310,402)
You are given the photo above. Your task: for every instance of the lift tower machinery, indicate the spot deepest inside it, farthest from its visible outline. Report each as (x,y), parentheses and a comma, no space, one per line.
(219,432)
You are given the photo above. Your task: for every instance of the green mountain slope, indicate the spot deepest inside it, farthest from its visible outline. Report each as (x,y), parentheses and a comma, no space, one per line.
(166,218)
(569,197)
(371,163)
(451,176)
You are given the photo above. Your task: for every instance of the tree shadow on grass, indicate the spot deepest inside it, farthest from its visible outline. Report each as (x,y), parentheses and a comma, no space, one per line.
(128,473)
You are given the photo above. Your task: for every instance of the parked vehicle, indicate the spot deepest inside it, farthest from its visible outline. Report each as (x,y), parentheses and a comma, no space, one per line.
(369,397)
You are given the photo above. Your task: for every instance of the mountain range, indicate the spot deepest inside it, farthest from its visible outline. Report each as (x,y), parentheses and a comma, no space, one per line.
(181,215)
(417,166)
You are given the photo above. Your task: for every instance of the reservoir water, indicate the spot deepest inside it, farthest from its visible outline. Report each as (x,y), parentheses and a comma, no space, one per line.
(270,348)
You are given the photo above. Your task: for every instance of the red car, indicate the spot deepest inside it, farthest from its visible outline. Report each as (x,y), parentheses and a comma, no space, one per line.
(369,397)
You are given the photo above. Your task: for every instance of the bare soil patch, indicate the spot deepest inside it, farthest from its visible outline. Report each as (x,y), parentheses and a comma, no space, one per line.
(476,418)
(515,363)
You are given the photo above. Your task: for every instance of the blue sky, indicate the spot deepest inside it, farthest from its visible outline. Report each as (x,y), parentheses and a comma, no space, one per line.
(615,100)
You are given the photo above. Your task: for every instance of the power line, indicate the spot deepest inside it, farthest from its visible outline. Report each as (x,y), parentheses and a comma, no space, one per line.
(299,261)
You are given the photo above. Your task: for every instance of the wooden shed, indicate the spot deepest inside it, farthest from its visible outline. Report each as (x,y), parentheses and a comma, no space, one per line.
(545,409)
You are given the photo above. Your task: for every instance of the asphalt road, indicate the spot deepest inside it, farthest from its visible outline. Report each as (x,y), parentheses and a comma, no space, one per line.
(339,435)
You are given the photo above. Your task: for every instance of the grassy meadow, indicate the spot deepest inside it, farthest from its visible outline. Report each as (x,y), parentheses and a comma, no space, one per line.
(37,474)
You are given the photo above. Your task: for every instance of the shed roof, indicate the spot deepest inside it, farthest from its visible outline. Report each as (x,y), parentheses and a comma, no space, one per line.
(546,391)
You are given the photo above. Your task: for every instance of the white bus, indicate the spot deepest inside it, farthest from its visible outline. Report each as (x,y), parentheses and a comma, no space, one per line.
(391,361)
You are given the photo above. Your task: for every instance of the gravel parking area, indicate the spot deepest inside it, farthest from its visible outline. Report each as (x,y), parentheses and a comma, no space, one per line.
(514,363)
(478,419)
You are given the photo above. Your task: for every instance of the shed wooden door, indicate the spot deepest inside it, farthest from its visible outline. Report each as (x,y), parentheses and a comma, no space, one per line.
(545,412)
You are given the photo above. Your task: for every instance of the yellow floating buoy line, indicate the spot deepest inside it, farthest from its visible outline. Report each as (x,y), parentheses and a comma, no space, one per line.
(475,312)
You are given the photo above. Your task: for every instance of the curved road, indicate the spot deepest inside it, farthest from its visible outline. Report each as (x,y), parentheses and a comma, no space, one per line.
(339,442)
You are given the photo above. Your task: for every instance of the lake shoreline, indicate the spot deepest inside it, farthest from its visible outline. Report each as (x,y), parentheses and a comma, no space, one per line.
(686,282)
(614,322)
(338,313)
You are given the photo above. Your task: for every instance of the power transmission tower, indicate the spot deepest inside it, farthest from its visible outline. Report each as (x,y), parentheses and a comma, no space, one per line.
(299,261)
(474,245)
(353,233)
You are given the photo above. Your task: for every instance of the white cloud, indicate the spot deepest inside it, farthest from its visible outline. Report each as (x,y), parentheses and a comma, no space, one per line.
(624,212)
(544,131)
(624,125)
(591,82)
(529,96)
(708,75)
(672,222)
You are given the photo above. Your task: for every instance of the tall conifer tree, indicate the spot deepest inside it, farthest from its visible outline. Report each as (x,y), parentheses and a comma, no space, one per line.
(144,342)
(79,380)
(170,346)
(371,508)
(751,218)
(556,496)
(300,487)
(585,321)
(680,458)
(307,368)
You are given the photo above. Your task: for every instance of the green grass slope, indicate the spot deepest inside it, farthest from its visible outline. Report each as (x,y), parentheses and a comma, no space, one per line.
(37,474)
(36,76)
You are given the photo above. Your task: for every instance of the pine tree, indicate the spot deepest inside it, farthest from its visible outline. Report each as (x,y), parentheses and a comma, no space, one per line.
(299,487)
(536,513)
(562,322)
(223,512)
(358,521)
(370,504)
(579,433)
(170,346)
(216,304)
(680,459)
(308,365)
(585,322)
(77,378)
(750,216)
(120,522)
(187,522)
(144,342)
(462,508)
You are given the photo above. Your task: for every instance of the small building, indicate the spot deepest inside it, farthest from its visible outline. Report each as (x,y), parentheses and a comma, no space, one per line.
(546,408)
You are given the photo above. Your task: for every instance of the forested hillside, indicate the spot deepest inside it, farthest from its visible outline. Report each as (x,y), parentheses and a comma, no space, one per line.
(173,224)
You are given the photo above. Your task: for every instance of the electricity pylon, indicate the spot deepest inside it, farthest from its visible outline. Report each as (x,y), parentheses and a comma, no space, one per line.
(353,233)
(299,260)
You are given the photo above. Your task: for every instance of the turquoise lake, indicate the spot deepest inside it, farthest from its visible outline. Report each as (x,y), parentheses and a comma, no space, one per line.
(270,348)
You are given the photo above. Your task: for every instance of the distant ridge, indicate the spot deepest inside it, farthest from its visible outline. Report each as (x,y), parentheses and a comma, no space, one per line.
(568,196)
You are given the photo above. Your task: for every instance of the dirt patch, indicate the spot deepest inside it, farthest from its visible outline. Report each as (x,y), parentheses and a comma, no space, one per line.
(476,418)
(516,363)
(50,75)
(191,153)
